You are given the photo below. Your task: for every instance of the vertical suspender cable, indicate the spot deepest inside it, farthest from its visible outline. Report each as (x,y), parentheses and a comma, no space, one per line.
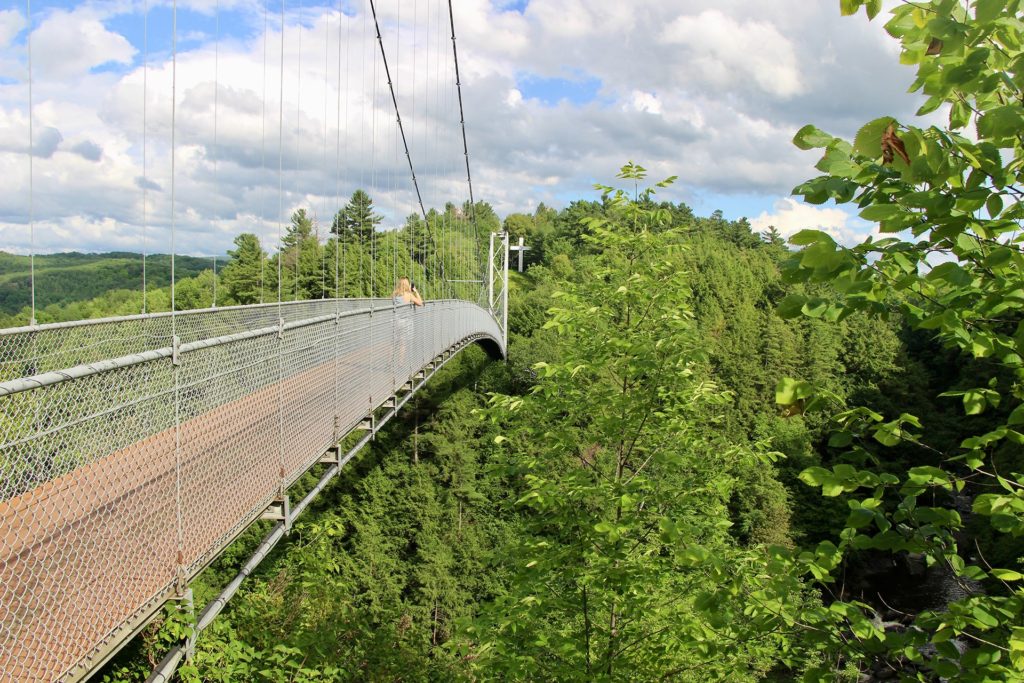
(391,177)
(145,106)
(341,227)
(31,170)
(390,187)
(280,219)
(430,254)
(362,146)
(373,177)
(174,317)
(337,237)
(324,199)
(412,136)
(216,86)
(280,166)
(337,164)
(298,138)
(439,250)
(263,151)
(216,112)
(174,85)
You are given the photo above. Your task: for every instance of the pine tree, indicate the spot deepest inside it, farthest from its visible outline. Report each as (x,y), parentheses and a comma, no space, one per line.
(242,277)
(773,236)
(357,220)
(302,265)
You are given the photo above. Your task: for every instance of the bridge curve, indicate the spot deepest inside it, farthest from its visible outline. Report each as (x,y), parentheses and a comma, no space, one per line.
(133,450)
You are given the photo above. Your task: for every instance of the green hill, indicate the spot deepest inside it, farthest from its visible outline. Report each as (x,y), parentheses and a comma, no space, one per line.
(69,277)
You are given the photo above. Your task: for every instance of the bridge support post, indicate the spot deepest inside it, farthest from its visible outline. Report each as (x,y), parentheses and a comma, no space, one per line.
(497,281)
(490,275)
(280,511)
(504,292)
(331,456)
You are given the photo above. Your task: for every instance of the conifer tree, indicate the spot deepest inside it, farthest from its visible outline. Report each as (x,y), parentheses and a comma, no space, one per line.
(242,277)
(357,219)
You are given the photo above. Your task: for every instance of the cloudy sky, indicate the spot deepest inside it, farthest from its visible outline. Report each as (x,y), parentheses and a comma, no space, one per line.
(558,94)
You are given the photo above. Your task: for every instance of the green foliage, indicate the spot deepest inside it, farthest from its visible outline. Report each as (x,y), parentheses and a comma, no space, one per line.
(244,275)
(356,221)
(949,264)
(624,495)
(69,278)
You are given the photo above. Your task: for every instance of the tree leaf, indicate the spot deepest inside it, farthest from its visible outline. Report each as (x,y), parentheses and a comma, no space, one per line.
(810,137)
(805,237)
(987,10)
(1001,122)
(881,212)
(791,306)
(1006,574)
(868,140)
(788,391)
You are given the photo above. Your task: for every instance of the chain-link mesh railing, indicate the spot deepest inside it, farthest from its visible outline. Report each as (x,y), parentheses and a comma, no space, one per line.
(133,450)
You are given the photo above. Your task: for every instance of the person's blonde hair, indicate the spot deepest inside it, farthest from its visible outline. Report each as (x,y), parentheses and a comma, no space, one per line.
(403,287)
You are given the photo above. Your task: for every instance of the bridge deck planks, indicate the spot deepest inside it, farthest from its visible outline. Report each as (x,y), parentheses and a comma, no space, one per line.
(82,553)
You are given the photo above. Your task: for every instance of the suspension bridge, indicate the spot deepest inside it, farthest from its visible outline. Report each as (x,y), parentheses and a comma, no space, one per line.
(135,449)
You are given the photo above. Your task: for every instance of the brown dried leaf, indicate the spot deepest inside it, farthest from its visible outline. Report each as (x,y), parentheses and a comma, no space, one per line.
(892,146)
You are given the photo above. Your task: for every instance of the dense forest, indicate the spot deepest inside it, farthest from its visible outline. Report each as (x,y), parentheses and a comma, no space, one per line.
(711,455)
(69,278)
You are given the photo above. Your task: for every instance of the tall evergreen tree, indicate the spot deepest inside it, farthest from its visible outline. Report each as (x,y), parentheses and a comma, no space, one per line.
(357,219)
(302,265)
(242,277)
(773,236)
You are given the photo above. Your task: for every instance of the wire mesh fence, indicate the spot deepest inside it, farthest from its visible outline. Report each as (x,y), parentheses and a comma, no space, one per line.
(133,450)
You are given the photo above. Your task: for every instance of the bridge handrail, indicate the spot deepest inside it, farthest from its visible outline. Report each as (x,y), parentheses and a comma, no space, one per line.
(52,377)
(45,327)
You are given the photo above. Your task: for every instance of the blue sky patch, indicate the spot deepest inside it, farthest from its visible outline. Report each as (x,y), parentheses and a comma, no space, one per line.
(580,90)
(512,5)
(733,206)
(234,25)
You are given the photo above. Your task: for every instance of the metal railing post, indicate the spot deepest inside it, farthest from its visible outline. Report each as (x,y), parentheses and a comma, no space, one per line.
(504,293)
(490,275)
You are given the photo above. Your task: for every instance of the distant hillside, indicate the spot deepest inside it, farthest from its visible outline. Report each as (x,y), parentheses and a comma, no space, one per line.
(73,276)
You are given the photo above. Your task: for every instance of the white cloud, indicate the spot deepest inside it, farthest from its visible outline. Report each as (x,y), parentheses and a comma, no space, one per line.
(11,24)
(791,216)
(646,101)
(576,19)
(731,53)
(69,44)
(709,90)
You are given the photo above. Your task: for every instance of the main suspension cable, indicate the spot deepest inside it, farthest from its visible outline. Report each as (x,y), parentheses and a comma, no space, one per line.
(462,116)
(401,127)
(398,115)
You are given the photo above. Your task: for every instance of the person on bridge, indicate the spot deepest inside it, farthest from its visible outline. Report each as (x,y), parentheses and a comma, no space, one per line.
(405,293)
